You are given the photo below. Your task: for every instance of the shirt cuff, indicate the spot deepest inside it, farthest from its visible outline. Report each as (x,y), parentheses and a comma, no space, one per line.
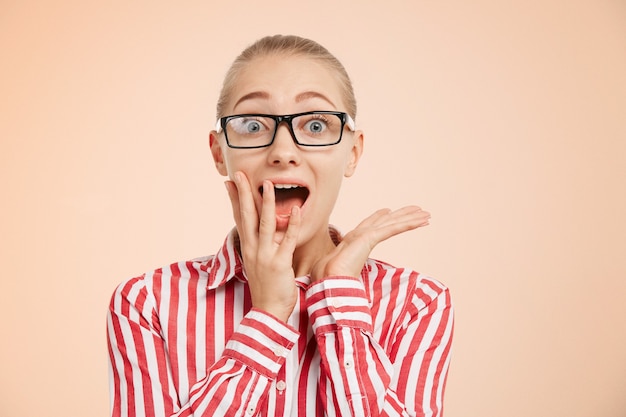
(335,302)
(262,342)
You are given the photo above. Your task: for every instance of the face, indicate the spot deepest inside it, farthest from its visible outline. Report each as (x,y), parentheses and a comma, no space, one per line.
(283,85)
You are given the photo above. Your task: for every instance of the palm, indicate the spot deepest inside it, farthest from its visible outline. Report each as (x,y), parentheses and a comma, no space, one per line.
(348,258)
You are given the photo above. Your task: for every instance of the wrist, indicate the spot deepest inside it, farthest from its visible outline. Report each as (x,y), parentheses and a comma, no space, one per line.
(281,313)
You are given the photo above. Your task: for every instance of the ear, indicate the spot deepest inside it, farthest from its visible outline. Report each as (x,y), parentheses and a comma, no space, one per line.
(355,154)
(218,155)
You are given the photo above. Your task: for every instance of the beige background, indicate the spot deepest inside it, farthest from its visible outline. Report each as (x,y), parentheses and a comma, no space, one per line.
(506,120)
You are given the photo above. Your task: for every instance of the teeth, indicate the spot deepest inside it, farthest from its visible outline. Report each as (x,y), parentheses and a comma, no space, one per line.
(285,186)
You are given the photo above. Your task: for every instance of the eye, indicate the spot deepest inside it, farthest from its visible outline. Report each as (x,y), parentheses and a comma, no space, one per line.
(252,126)
(316,124)
(248,125)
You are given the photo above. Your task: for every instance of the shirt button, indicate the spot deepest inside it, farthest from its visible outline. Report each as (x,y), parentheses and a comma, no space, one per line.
(348,364)
(280,385)
(335,303)
(250,411)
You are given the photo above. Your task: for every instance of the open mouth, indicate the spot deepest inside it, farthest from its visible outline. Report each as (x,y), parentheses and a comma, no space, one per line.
(287,196)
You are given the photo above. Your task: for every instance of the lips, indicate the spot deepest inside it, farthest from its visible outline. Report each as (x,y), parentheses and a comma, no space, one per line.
(288,195)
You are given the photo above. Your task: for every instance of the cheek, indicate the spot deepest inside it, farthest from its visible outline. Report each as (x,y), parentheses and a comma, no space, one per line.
(334,166)
(234,164)
(331,183)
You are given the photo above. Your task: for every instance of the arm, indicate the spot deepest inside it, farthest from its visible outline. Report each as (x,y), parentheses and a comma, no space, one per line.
(359,377)
(141,377)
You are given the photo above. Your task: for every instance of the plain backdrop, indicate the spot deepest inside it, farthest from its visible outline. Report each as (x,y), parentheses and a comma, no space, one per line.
(505,119)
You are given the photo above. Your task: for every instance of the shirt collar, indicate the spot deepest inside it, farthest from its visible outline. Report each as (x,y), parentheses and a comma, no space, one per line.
(227,263)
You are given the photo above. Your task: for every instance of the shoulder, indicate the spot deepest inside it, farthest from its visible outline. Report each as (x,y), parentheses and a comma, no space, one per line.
(166,281)
(402,297)
(384,280)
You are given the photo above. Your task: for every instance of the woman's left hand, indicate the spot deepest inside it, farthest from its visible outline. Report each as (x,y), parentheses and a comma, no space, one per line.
(348,258)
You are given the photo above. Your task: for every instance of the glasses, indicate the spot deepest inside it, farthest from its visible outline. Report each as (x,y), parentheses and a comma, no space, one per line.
(313,128)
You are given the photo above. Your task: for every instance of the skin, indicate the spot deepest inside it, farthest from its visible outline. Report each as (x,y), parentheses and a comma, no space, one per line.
(277,248)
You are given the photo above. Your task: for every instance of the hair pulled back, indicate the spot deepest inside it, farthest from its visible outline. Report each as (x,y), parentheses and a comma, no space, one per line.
(287,45)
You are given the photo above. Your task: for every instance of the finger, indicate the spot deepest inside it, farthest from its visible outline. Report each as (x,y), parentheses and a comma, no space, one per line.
(249,218)
(403,214)
(398,223)
(412,215)
(290,240)
(410,210)
(267,222)
(385,223)
(384,216)
(374,218)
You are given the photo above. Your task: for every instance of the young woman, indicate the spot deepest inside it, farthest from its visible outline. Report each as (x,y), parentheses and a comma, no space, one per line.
(288,318)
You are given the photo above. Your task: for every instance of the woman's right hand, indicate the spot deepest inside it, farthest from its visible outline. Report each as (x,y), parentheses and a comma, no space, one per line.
(267,258)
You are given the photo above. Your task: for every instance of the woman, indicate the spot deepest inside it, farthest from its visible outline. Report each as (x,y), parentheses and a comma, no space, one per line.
(288,318)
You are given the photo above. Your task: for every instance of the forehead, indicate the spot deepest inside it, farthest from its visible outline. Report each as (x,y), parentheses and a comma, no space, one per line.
(281,81)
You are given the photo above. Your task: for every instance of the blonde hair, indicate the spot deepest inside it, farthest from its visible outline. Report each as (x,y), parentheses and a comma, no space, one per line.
(287,45)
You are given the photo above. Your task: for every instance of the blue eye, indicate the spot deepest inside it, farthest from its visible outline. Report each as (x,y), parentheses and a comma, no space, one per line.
(248,126)
(252,126)
(316,126)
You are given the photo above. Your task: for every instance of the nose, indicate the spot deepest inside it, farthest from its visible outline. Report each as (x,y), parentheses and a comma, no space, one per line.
(284,150)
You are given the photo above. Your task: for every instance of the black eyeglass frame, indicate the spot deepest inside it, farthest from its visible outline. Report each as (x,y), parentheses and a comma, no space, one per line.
(345,119)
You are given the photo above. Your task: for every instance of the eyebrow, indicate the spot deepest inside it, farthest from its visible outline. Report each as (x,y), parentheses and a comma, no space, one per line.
(253,95)
(313,94)
(299,98)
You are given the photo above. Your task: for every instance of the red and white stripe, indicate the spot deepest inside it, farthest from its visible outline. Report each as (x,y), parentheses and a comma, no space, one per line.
(185,341)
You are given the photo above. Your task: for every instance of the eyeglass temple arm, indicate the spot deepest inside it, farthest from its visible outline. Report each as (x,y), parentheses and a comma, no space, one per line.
(350,122)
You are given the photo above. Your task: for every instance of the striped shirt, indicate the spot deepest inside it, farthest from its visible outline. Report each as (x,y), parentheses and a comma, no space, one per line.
(185,341)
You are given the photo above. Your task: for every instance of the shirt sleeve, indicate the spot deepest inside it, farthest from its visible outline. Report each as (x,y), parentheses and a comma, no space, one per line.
(361,378)
(140,373)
